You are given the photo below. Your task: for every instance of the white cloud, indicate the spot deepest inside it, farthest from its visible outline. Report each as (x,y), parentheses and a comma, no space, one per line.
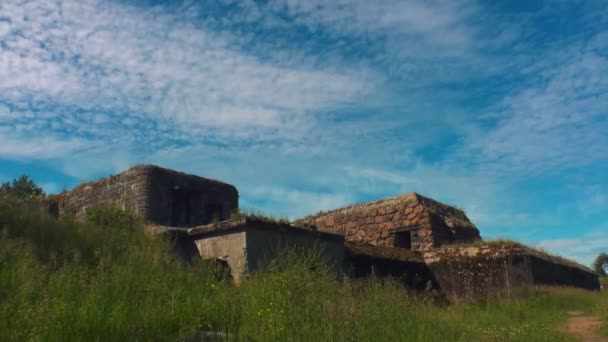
(436,23)
(584,249)
(558,122)
(38,148)
(98,55)
(292,203)
(5,112)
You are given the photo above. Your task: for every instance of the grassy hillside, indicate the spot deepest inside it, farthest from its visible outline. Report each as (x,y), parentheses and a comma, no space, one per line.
(103,280)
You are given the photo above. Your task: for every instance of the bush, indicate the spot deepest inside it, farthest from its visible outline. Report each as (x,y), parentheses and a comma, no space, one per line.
(600,265)
(111,216)
(21,188)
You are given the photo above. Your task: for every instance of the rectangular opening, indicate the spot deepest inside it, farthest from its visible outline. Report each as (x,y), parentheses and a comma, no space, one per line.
(180,209)
(403,239)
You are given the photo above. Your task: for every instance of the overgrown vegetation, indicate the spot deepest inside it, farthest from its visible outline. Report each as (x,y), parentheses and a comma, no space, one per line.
(21,188)
(257,215)
(103,280)
(600,265)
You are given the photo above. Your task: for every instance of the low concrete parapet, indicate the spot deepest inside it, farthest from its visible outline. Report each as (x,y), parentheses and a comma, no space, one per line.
(485,270)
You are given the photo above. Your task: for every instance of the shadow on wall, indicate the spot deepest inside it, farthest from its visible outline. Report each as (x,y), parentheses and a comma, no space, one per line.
(411,274)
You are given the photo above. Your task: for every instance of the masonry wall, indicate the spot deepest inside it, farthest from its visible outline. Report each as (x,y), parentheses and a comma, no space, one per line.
(422,222)
(470,273)
(158,195)
(181,200)
(127,191)
(265,241)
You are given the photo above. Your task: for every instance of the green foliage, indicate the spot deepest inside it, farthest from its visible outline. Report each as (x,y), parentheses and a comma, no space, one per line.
(459,210)
(111,216)
(63,280)
(252,214)
(21,188)
(600,265)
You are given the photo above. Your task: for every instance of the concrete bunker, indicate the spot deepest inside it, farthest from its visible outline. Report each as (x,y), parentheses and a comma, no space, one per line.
(407,267)
(495,269)
(409,221)
(157,195)
(406,237)
(248,243)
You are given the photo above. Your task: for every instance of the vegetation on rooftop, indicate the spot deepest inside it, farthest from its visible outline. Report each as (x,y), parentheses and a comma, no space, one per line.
(501,242)
(257,215)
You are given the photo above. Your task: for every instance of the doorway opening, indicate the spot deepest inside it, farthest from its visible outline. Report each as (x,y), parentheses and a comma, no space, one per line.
(403,239)
(180,208)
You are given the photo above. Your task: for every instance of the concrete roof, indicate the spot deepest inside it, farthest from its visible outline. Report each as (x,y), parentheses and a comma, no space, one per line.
(244,221)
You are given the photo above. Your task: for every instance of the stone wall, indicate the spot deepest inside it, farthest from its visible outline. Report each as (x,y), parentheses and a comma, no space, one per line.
(127,190)
(473,272)
(408,221)
(157,195)
(183,200)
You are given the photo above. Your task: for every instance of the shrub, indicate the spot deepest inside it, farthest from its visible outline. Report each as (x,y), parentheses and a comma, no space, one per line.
(600,265)
(21,188)
(111,216)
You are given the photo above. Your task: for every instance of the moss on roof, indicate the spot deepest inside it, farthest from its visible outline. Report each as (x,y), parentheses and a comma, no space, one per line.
(244,221)
(450,215)
(148,168)
(501,248)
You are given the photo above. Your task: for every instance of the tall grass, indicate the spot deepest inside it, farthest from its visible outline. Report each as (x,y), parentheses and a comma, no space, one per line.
(103,280)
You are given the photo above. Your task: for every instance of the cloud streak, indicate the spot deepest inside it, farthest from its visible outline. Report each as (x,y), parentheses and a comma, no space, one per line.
(106,59)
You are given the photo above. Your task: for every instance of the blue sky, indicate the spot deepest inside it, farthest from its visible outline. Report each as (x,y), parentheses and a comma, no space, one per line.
(498,107)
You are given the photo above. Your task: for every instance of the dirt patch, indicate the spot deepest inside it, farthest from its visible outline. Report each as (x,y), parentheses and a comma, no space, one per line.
(583,327)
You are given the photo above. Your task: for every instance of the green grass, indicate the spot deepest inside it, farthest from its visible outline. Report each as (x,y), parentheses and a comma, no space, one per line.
(62,280)
(257,215)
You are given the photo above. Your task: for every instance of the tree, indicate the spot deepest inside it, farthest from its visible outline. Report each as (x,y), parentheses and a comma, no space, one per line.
(600,265)
(21,188)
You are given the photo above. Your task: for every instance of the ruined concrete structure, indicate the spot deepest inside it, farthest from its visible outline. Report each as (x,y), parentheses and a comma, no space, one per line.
(499,268)
(247,243)
(408,221)
(157,195)
(424,243)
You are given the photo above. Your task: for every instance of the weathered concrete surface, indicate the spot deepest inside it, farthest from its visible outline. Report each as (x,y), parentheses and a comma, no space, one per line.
(156,194)
(408,221)
(471,272)
(363,261)
(248,243)
(230,247)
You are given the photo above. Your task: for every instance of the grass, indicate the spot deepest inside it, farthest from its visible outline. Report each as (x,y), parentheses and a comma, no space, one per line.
(257,215)
(103,280)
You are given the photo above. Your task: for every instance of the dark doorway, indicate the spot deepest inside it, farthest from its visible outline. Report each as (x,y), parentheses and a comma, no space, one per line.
(403,239)
(180,210)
